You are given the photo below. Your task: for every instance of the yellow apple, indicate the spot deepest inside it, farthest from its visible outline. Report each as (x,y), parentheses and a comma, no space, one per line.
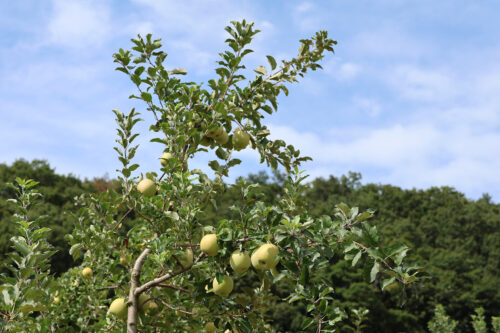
(164,158)
(118,308)
(147,187)
(239,261)
(210,327)
(265,257)
(241,139)
(208,244)
(186,259)
(224,288)
(87,272)
(124,260)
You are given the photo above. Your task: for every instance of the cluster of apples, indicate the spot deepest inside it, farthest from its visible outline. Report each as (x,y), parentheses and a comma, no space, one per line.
(240,139)
(264,258)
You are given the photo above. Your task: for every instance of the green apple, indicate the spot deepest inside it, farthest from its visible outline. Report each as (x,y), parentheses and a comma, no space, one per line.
(224,288)
(213,134)
(265,257)
(150,306)
(223,138)
(241,139)
(206,141)
(145,305)
(239,261)
(147,187)
(163,159)
(210,327)
(186,259)
(118,308)
(87,272)
(208,244)
(142,301)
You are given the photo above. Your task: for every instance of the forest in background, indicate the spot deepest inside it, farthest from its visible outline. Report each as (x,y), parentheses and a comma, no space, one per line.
(454,239)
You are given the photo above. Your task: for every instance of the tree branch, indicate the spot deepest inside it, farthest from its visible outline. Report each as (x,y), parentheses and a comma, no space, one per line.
(175,309)
(133,295)
(153,283)
(164,285)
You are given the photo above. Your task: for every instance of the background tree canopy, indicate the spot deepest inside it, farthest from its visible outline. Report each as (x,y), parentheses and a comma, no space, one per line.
(456,240)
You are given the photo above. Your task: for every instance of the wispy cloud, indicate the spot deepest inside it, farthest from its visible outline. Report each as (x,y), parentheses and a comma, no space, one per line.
(420,84)
(79,23)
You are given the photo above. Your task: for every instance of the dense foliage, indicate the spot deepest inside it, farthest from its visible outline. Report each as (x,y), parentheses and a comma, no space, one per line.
(417,217)
(58,193)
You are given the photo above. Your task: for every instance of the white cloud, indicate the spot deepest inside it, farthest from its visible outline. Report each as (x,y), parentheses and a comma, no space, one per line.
(342,70)
(79,23)
(408,155)
(43,77)
(414,82)
(306,17)
(349,71)
(368,106)
(142,28)
(388,41)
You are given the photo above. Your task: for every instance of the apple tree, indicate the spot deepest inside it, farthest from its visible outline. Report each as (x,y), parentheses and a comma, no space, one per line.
(149,263)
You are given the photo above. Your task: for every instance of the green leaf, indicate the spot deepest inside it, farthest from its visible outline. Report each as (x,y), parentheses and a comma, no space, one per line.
(387,282)
(233,162)
(272,62)
(245,325)
(261,70)
(344,208)
(214,165)
(374,271)
(356,258)
(178,71)
(30,306)
(307,322)
(364,216)
(146,97)
(295,298)
(221,153)
(75,250)
(19,243)
(304,275)
(6,297)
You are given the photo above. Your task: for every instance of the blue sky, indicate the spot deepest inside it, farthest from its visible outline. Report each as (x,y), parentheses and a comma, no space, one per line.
(411,97)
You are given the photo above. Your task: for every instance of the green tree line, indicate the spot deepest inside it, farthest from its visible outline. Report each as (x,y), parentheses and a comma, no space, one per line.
(454,239)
